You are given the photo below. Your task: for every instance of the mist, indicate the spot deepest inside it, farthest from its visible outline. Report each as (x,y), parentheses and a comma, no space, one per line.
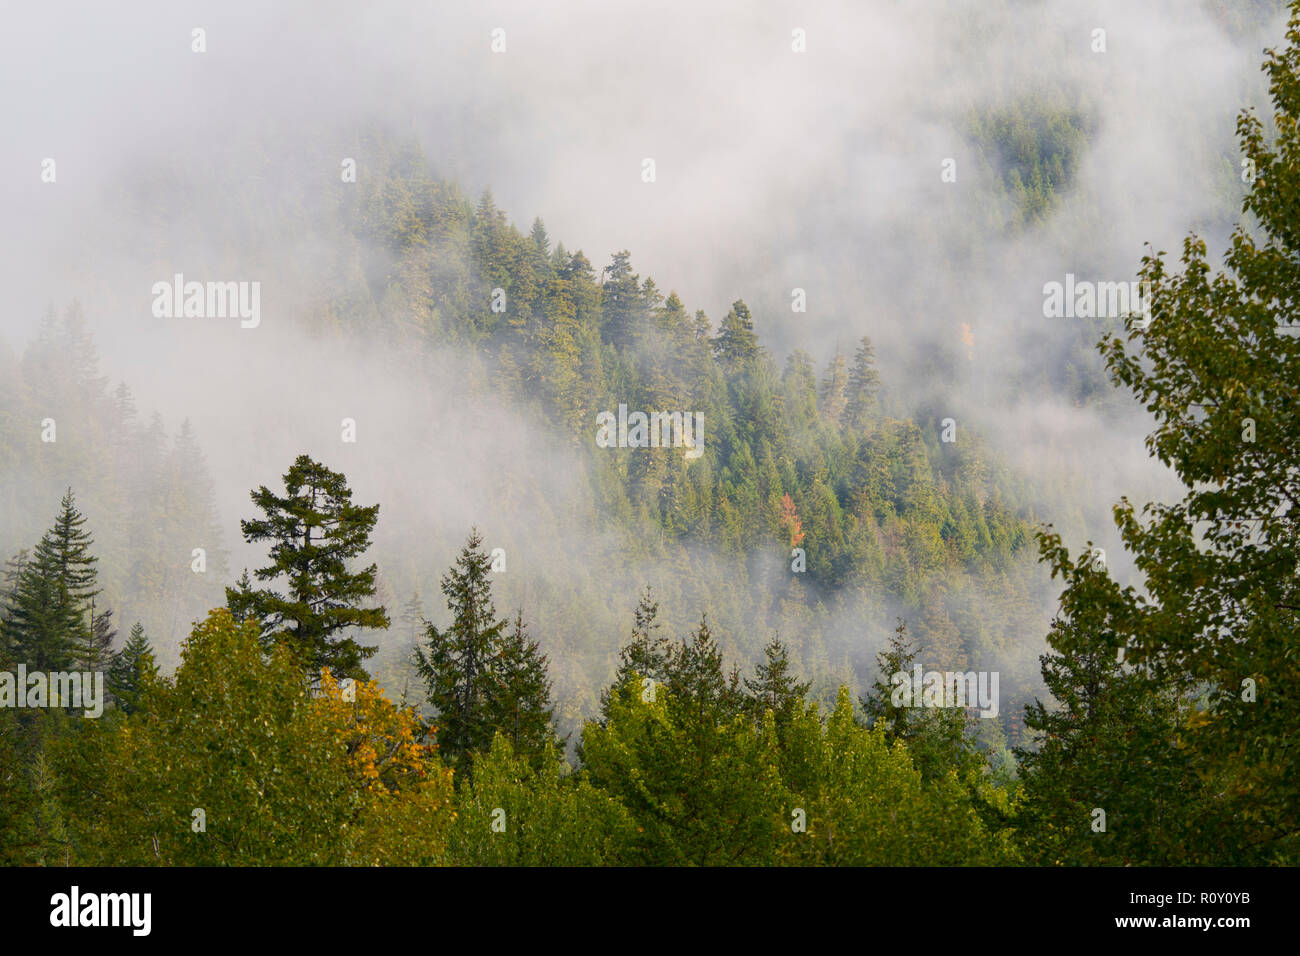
(774,171)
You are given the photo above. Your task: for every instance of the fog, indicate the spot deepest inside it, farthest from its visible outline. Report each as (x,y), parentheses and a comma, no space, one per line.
(774,170)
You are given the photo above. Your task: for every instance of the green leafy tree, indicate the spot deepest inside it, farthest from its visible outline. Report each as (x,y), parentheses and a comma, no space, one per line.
(517,813)
(1216,368)
(865,803)
(314,529)
(1110,744)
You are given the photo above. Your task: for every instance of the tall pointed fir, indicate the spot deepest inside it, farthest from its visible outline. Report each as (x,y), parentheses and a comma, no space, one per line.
(523,711)
(133,669)
(456,662)
(48,614)
(645,658)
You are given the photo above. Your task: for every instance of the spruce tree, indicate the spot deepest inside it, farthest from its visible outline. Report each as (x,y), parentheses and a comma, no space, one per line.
(314,529)
(522,710)
(47,616)
(864,383)
(456,662)
(133,668)
(736,342)
(773,687)
(646,656)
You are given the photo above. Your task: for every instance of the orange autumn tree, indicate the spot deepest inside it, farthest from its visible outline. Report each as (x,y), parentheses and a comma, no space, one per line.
(405,791)
(790,520)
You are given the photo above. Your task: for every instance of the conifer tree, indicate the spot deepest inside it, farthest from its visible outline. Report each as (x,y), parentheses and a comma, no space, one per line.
(47,616)
(456,662)
(864,383)
(412,618)
(621,301)
(94,645)
(646,656)
(696,683)
(832,394)
(133,668)
(1110,743)
(736,342)
(314,529)
(773,687)
(935,736)
(522,710)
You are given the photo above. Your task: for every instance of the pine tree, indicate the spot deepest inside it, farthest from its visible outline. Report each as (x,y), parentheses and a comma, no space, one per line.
(936,737)
(622,304)
(94,647)
(736,343)
(242,599)
(774,688)
(9,579)
(864,383)
(696,683)
(878,706)
(412,618)
(314,529)
(47,615)
(522,709)
(832,396)
(647,656)
(133,668)
(456,663)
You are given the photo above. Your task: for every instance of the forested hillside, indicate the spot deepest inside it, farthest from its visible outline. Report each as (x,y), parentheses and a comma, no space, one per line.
(608,580)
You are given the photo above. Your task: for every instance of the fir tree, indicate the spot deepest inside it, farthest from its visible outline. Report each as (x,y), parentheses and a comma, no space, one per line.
(773,687)
(935,736)
(736,342)
(94,648)
(647,656)
(522,710)
(832,396)
(314,529)
(456,662)
(864,383)
(47,616)
(133,669)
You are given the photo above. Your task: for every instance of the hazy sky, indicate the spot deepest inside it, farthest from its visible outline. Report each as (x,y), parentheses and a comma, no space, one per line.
(774,170)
